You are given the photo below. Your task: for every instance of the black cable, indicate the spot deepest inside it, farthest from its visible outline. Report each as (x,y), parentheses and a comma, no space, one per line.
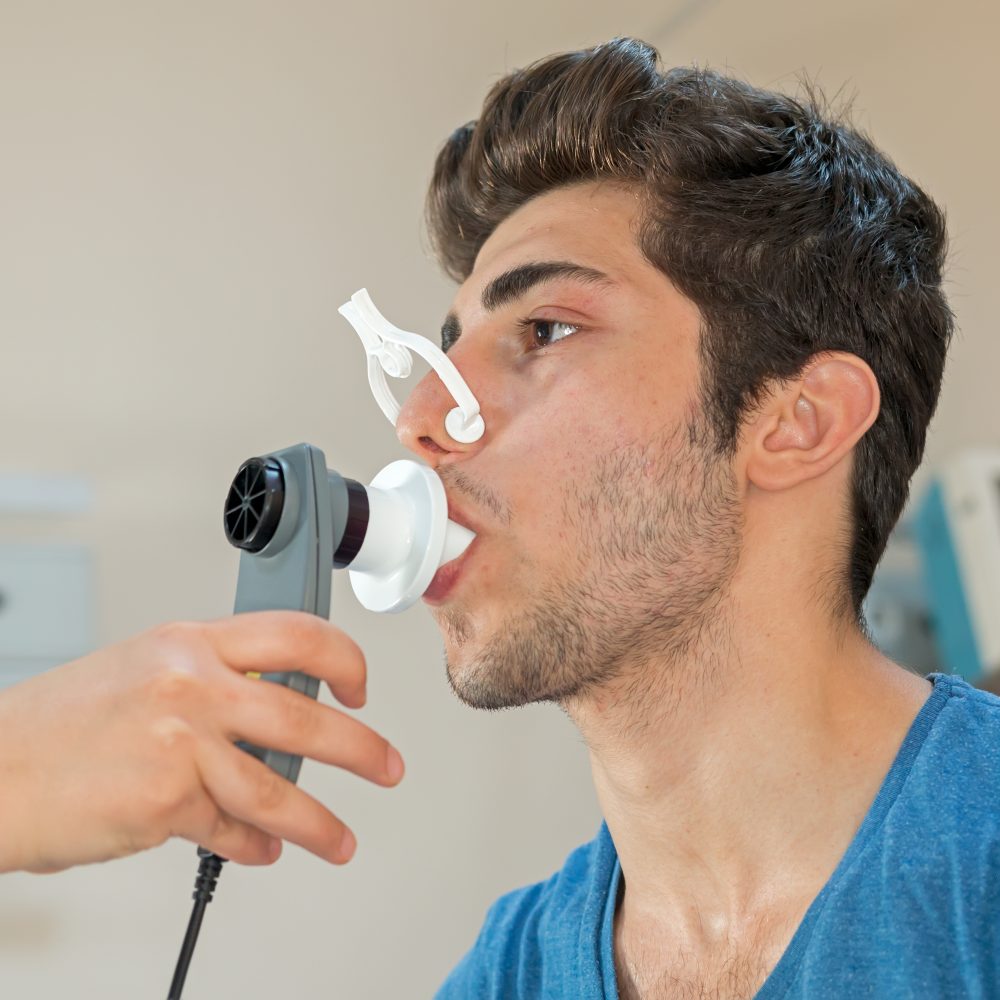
(204,885)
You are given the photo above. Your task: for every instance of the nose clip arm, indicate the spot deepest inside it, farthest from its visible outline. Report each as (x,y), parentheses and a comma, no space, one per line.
(388,350)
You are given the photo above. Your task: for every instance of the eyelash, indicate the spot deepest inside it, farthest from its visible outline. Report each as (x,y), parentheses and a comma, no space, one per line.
(526,326)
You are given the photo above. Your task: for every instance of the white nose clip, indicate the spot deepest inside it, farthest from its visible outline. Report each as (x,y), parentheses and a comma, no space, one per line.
(388,349)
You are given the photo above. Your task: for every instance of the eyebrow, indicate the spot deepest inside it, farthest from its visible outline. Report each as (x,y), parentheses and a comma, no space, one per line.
(517,282)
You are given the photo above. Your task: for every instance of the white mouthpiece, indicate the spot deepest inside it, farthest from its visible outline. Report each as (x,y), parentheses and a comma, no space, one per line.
(408,539)
(456,540)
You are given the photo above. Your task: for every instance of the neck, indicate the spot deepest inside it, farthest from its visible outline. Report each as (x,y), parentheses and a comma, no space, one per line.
(733,780)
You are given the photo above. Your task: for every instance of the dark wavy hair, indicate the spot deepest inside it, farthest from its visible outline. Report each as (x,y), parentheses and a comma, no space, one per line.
(786,227)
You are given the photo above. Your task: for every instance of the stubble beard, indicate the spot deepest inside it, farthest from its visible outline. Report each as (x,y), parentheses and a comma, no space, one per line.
(659,529)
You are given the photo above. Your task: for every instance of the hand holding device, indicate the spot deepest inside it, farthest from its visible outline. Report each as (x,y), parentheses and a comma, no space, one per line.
(118,751)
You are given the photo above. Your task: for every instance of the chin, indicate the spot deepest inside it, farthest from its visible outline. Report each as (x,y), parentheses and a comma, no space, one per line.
(457,629)
(457,674)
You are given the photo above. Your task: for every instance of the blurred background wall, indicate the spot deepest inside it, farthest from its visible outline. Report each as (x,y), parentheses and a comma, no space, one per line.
(187,193)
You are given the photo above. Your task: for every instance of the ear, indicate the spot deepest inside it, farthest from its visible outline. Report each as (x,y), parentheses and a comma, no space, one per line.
(810,423)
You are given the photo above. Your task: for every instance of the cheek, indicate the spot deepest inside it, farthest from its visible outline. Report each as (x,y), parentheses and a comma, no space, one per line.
(557,434)
(551,466)
(560,425)
(563,405)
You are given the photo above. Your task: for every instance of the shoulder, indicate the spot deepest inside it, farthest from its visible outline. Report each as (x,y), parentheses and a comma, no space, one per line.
(532,935)
(927,877)
(944,828)
(952,784)
(963,742)
(980,704)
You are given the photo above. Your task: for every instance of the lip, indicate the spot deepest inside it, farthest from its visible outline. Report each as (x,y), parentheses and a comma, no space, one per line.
(447,576)
(459,517)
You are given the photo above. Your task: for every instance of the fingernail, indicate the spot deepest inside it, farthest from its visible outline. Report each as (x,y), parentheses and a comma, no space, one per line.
(347,845)
(393,764)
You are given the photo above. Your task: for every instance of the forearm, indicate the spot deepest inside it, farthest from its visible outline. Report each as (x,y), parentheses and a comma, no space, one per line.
(16,835)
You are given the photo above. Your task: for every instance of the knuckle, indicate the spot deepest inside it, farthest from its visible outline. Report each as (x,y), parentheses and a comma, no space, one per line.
(322,639)
(235,840)
(176,663)
(172,737)
(176,634)
(312,634)
(351,664)
(318,641)
(220,827)
(302,629)
(270,791)
(363,745)
(361,750)
(173,783)
(300,717)
(174,684)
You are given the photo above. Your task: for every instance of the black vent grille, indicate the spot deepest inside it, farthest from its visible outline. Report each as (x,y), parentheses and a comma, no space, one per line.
(254,503)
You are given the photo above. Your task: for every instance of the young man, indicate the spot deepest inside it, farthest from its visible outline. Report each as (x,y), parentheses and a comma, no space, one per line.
(707,331)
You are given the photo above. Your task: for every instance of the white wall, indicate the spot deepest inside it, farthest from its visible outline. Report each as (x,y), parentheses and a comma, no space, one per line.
(187,192)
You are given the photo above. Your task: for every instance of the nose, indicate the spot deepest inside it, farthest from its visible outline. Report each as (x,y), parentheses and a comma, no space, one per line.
(421,422)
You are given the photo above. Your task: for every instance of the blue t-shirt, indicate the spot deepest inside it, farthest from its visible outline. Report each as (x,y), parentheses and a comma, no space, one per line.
(911,911)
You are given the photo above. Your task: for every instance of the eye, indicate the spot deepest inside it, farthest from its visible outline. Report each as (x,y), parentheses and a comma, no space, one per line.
(544,332)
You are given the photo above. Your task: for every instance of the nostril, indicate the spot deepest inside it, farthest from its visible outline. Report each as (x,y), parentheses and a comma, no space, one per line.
(431,445)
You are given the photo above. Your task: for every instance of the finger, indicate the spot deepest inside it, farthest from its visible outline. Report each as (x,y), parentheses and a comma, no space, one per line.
(271,715)
(249,791)
(233,839)
(266,641)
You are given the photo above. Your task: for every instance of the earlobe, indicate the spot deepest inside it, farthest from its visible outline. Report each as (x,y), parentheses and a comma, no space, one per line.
(810,423)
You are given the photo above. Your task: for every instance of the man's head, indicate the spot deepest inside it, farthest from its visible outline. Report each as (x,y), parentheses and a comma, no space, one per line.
(755,305)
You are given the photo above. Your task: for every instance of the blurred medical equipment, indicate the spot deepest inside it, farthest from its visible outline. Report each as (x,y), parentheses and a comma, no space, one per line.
(43,580)
(957,526)
(935,600)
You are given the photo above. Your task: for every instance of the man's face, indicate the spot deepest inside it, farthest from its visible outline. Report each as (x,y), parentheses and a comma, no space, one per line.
(605,529)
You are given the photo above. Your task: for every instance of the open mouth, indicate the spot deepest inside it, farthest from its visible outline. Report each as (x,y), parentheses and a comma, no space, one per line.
(446,578)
